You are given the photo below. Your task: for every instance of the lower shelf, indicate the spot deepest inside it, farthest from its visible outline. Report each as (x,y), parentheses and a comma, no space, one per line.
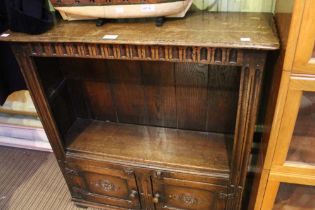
(151,145)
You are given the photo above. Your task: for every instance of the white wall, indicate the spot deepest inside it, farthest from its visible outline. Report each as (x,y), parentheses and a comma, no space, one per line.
(235,5)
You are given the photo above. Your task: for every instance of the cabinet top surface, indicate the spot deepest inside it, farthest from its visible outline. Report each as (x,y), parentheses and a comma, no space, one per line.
(202,29)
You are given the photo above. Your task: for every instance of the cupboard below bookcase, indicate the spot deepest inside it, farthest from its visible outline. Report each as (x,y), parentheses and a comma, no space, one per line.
(160,118)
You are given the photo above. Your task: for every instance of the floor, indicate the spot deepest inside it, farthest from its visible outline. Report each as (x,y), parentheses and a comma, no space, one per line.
(32,180)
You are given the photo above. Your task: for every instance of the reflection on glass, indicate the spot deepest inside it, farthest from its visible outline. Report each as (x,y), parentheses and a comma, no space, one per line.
(303,140)
(295,197)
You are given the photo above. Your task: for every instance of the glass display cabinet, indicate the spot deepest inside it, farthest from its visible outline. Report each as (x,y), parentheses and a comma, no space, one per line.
(292,176)
(286,175)
(304,61)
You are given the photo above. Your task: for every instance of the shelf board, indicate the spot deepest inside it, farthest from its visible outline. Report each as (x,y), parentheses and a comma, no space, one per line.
(151,145)
(203,29)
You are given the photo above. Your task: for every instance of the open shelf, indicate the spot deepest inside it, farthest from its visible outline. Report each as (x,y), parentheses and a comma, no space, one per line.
(151,145)
(160,114)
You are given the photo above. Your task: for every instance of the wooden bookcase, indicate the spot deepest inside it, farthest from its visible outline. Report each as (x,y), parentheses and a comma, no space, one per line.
(286,179)
(160,118)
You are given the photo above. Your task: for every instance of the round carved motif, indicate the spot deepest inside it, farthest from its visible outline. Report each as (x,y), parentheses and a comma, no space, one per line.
(188,199)
(106,185)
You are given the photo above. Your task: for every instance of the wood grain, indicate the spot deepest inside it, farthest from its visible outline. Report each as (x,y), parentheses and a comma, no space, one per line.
(127,90)
(159,89)
(100,100)
(223,89)
(188,195)
(201,29)
(191,95)
(161,146)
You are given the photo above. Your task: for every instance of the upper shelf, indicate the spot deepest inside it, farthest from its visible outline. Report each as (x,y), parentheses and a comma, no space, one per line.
(203,29)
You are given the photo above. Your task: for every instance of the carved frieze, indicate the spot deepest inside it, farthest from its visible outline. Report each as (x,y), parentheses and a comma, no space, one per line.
(206,55)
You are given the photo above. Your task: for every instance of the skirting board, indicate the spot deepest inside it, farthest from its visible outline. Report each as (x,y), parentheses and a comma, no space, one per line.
(25,144)
(24,137)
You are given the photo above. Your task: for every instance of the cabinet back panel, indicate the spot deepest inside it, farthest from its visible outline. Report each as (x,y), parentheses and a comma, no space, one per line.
(223,91)
(160,93)
(191,95)
(127,91)
(176,95)
(100,100)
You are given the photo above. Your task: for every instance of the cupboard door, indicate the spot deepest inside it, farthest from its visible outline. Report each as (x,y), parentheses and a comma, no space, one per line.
(107,185)
(178,194)
(304,61)
(296,139)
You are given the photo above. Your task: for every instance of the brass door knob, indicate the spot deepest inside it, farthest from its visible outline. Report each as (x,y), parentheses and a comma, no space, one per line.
(156,198)
(159,173)
(133,194)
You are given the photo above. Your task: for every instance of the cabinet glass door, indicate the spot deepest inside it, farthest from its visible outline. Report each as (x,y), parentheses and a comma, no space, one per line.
(304,61)
(296,139)
(302,145)
(295,197)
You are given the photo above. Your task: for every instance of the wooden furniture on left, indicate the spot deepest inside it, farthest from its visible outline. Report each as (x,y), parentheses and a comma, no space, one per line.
(286,179)
(159,118)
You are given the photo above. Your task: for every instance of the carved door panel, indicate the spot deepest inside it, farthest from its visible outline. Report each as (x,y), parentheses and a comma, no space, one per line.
(187,195)
(110,186)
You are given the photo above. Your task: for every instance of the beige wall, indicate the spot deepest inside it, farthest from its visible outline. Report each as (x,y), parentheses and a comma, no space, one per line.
(235,5)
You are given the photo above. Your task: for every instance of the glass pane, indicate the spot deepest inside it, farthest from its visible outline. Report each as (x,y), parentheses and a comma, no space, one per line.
(295,197)
(303,140)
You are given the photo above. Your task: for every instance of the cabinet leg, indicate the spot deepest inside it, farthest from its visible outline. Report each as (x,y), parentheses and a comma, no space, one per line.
(159,21)
(100,22)
(80,206)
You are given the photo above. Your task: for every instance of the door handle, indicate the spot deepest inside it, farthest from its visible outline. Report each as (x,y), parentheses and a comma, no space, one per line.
(156,198)
(133,194)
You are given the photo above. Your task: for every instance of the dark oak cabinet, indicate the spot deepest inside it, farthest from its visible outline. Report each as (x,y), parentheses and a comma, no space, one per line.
(159,122)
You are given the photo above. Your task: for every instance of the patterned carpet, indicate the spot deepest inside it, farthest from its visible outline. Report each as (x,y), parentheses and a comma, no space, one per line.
(31,180)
